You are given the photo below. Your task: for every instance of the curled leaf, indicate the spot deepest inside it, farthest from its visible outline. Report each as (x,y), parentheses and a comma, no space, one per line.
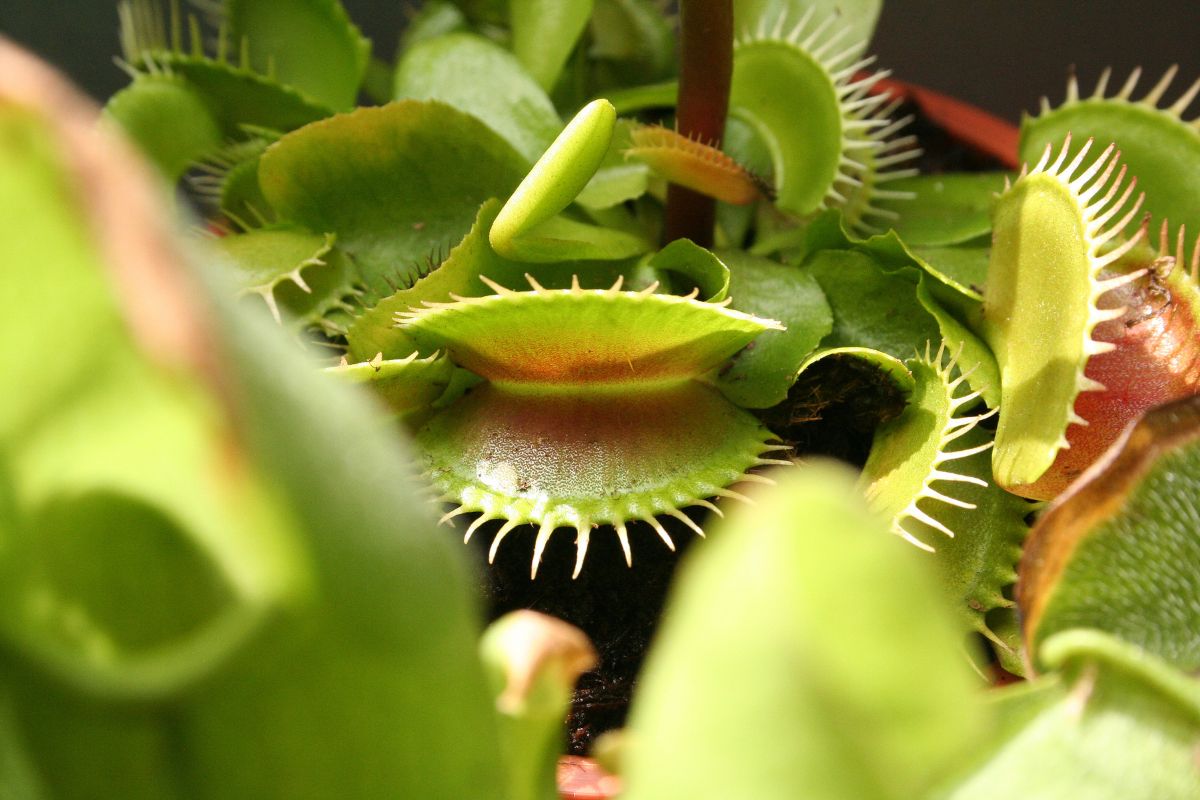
(529,228)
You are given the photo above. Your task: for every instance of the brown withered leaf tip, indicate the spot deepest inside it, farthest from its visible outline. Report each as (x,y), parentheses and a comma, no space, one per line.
(1099,493)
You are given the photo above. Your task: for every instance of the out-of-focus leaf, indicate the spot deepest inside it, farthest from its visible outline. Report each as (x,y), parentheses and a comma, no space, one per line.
(617,179)
(199,439)
(1119,551)
(631,43)
(310,45)
(1114,724)
(544,33)
(812,638)
(482,79)
(395,183)
(434,18)
(18,779)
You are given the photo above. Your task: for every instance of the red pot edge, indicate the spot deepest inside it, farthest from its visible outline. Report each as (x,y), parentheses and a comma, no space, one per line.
(581,778)
(981,131)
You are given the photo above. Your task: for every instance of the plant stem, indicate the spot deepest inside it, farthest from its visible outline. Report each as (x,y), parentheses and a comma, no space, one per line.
(705,72)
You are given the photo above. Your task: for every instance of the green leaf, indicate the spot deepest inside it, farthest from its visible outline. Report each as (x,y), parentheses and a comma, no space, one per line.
(93,588)
(958,273)
(947,209)
(544,32)
(78,749)
(759,376)
(393,183)
(144,469)
(631,43)
(842,702)
(310,45)
(65,301)
(18,778)
(434,18)
(1118,552)
(338,552)
(892,310)
(1116,724)
(871,307)
(640,98)
(168,121)
(961,269)
(484,80)
(405,694)
(564,239)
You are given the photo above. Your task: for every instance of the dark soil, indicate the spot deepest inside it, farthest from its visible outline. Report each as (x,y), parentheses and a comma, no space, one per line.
(833,411)
(615,605)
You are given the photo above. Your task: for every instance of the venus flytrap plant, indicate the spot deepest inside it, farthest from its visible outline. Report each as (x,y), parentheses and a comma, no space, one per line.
(514,254)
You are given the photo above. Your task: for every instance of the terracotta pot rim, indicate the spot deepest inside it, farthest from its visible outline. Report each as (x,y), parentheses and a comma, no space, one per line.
(980,130)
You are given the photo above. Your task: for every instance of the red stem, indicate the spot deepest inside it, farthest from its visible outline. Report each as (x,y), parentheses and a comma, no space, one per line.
(705,73)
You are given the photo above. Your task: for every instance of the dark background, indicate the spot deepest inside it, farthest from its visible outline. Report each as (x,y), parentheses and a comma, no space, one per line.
(1000,54)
